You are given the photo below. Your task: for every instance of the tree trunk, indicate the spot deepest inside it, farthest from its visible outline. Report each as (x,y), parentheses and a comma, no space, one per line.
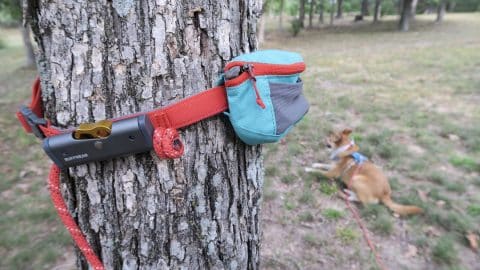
(332,11)
(311,12)
(378,10)
(414,9)
(104,59)
(441,10)
(339,9)
(321,8)
(365,11)
(301,15)
(261,22)
(405,15)
(280,17)
(27,44)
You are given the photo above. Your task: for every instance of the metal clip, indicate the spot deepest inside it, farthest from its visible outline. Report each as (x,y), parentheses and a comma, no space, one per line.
(100,129)
(33,121)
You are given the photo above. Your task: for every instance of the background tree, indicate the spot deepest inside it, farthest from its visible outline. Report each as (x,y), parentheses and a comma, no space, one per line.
(103,59)
(280,17)
(311,12)
(301,13)
(365,8)
(332,11)
(406,9)
(339,9)
(14,9)
(413,12)
(377,10)
(441,10)
(321,8)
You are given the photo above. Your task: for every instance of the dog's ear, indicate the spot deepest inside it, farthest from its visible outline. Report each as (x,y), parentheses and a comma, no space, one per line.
(347,131)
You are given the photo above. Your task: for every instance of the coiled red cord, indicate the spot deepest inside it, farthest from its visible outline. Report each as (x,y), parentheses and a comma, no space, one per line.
(69,222)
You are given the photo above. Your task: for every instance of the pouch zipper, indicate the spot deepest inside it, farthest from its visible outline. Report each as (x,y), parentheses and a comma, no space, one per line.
(252,69)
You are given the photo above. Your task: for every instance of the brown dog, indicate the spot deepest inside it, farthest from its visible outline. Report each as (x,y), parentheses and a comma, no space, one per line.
(367,183)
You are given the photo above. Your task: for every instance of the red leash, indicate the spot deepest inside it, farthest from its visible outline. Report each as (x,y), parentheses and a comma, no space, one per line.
(166,142)
(361,225)
(69,222)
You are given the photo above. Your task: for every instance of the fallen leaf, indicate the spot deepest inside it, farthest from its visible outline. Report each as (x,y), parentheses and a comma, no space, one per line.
(411,252)
(473,240)
(423,195)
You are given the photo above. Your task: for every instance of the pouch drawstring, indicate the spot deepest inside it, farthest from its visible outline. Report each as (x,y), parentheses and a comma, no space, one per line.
(249,68)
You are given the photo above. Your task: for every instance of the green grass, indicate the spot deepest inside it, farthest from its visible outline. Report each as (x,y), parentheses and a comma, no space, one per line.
(306,216)
(466,163)
(313,240)
(444,252)
(328,188)
(474,210)
(346,235)
(332,214)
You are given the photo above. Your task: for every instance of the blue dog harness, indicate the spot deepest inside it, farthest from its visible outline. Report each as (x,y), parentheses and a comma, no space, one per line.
(358,158)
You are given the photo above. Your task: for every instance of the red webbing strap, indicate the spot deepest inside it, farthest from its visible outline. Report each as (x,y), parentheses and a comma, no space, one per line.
(35,105)
(191,110)
(69,222)
(183,113)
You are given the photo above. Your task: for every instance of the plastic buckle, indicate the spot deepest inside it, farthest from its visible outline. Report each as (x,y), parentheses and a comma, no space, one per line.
(33,121)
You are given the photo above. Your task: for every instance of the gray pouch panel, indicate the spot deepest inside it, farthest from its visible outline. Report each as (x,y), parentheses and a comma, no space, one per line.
(289,104)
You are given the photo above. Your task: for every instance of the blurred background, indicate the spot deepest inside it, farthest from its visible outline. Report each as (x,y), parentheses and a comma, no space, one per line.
(404,74)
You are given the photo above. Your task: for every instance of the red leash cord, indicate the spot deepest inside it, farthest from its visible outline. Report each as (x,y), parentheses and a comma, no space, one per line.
(361,225)
(69,222)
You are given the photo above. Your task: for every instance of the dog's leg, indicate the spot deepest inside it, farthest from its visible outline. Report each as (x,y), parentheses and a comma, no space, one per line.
(322,166)
(351,196)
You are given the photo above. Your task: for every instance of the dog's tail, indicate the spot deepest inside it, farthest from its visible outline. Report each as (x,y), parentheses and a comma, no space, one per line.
(399,208)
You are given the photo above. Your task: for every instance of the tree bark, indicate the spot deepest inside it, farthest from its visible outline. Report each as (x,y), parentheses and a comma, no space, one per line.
(27,44)
(261,22)
(321,8)
(311,12)
(441,10)
(378,10)
(332,11)
(365,11)
(405,15)
(301,15)
(339,9)
(414,9)
(104,59)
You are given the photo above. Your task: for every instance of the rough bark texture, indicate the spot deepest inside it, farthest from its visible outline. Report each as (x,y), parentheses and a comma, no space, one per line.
(403,24)
(377,11)
(339,9)
(103,59)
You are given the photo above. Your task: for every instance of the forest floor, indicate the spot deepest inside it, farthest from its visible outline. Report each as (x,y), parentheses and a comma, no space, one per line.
(412,100)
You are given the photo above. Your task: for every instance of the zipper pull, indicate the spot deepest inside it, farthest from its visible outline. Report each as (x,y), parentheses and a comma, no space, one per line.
(249,69)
